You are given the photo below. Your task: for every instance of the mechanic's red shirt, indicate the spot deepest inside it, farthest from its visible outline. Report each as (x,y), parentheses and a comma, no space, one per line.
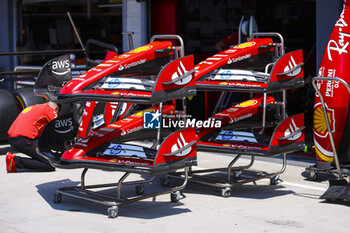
(32,120)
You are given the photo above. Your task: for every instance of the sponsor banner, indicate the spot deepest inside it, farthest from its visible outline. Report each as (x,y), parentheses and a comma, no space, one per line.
(336,96)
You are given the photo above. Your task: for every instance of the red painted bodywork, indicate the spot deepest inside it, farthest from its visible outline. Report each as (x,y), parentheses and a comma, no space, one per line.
(276,77)
(117,63)
(249,108)
(103,135)
(188,135)
(237,53)
(282,130)
(108,112)
(135,122)
(287,127)
(86,118)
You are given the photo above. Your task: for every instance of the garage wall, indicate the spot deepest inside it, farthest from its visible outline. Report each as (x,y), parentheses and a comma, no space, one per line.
(8,38)
(135,20)
(327,13)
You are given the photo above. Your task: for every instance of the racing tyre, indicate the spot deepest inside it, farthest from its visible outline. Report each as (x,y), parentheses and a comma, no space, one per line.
(25,97)
(9,112)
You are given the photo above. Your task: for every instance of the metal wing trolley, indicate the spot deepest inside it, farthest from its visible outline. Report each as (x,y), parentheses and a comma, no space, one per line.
(285,72)
(151,74)
(123,157)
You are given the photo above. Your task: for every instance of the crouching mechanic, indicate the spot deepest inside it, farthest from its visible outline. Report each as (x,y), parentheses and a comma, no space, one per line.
(24,134)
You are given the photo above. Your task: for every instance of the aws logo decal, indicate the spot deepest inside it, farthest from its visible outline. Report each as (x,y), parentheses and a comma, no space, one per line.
(64,126)
(320,124)
(60,67)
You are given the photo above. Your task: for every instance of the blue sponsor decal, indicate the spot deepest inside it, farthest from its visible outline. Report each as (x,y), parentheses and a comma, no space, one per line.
(116,149)
(227,135)
(113,83)
(226,74)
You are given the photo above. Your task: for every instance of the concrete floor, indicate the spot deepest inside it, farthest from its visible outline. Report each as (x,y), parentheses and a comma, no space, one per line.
(26,204)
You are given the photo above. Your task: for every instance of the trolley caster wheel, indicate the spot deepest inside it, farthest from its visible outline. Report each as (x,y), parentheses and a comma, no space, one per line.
(237,174)
(312,175)
(57,198)
(226,192)
(164,181)
(274,180)
(175,196)
(113,212)
(140,189)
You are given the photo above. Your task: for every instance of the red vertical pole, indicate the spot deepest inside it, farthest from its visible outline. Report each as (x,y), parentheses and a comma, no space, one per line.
(164,17)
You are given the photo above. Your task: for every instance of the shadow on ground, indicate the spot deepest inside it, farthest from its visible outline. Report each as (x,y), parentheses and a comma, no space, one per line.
(144,209)
(249,190)
(320,176)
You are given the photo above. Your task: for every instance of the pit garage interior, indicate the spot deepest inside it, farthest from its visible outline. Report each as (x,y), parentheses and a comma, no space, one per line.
(206,26)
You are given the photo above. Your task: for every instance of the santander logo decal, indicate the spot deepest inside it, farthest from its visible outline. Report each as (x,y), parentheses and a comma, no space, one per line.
(180,144)
(340,46)
(180,71)
(290,66)
(290,130)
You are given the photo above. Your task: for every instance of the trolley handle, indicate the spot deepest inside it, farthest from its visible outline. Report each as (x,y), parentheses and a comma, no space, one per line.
(181,48)
(326,116)
(271,34)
